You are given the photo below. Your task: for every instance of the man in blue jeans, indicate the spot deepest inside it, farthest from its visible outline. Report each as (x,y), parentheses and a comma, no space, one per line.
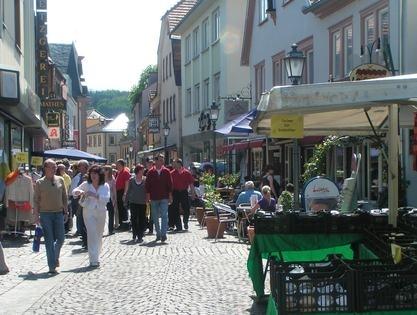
(50,205)
(159,192)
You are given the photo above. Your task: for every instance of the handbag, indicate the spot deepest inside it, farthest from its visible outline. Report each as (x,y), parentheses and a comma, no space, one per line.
(82,200)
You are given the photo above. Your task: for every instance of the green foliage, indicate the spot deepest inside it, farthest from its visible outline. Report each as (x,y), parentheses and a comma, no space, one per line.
(207,180)
(230,180)
(110,102)
(136,90)
(211,196)
(286,200)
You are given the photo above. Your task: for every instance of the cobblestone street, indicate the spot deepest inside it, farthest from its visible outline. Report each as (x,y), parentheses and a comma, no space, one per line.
(189,275)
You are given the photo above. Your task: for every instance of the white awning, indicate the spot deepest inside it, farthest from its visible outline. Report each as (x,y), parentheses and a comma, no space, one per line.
(337,107)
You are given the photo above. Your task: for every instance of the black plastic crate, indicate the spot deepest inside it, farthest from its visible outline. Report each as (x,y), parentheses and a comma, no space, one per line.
(321,287)
(349,223)
(273,225)
(386,287)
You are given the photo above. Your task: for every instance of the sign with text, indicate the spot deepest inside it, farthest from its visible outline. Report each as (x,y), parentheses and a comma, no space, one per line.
(69,144)
(22,157)
(56,104)
(234,108)
(54,133)
(36,161)
(320,193)
(42,48)
(368,71)
(287,126)
(153,124)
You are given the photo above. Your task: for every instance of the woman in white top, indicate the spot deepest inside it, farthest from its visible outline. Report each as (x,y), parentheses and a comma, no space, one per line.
(94,195)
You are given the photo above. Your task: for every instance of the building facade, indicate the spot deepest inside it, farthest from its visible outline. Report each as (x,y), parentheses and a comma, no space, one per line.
(211,41)
(335,37)
(21,127)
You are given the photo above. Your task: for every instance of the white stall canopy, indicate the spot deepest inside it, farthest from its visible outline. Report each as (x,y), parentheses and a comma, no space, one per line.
(339,108)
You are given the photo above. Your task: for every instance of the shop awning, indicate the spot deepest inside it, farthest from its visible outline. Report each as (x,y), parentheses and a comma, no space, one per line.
(72,154)
(157,149)
(239,124)
(337,107)
(244,145)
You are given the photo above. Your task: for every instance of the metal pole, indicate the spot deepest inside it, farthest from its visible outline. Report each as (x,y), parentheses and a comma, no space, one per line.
(393,141)
(165,150)
(214,153)
(296,168)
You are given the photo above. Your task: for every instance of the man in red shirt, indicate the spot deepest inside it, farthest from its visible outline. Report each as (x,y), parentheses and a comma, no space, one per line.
(123,175)
(159,191)
(182,180)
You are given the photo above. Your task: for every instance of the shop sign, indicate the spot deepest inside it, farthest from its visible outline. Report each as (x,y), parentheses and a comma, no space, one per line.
(55,104)
(368,71)
(233,109)
(153,124)
(204,122)
(42,48)
(9,86)
(54,133)
(287,126)
(52,119)
(69,143)
(320,193)
(36,161)
(22,157)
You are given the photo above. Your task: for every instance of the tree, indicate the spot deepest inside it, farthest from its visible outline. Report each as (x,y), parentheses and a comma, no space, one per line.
(142,84)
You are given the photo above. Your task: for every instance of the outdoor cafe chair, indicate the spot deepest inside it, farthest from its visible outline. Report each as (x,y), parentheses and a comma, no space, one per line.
(225,214)
(242,220)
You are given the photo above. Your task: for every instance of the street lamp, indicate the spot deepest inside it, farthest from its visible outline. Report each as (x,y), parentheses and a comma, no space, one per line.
(166,134)
(294,64)
(370,48)
(214,116)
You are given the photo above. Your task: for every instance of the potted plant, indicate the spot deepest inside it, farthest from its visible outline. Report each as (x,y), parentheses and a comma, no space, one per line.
(286,200)
(206,186)
(230,180)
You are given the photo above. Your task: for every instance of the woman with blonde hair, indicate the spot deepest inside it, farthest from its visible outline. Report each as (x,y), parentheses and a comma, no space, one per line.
(267,203)
(112,204)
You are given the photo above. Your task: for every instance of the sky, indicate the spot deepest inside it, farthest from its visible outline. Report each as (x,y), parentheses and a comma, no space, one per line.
(118,39)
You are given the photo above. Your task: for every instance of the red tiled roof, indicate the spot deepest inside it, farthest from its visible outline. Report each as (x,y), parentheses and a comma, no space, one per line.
(178,11)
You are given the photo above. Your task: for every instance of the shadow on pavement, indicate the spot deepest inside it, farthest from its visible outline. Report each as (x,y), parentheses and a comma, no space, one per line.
(153,244)
(79,251)
(79,242)
(259,306)
(11,241)
(36,276)
(128,242)
(79,269)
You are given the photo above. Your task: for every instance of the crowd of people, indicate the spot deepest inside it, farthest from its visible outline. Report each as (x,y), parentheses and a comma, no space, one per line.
(153,196)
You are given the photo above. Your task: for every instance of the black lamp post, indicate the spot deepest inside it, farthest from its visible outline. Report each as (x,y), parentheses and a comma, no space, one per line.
(166,134)
(294,64)
(370,47)
(214,116)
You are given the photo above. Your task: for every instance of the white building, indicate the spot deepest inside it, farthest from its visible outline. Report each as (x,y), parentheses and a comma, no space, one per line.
(211,41)
(331,34)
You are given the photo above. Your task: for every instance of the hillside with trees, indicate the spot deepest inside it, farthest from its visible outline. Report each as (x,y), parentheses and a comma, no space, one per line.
(110,102)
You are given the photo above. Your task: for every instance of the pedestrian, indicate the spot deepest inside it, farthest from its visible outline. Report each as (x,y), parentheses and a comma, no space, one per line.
(269,180)
(182,181)
(159,193)
(49,207)
(82,168)
(94,194)
(3,266)
(112,204)
(123,175)
(149,221)
(61,171)
(135,195)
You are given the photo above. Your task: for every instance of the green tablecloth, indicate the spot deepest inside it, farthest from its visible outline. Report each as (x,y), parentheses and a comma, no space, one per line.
(296,247)
(273,310)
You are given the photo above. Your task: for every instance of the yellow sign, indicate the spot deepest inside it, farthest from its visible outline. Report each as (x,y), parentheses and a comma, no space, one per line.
(37,161)
(22,158)
(287,126)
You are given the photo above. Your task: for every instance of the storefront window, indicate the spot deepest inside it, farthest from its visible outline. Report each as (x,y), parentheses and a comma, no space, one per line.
(257,158)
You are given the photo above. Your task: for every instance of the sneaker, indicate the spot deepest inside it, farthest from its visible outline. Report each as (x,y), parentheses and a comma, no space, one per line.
(186,226)
(3,272)
(163,238)
(139,240)
(158,238)
(170,228)
(52,272)
(57,263)
(95,265)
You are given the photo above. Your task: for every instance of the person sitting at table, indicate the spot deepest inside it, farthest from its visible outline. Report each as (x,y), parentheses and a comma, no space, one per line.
(244,196)
(267,203)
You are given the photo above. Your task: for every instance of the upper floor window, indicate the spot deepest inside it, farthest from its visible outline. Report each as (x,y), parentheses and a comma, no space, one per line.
(166,68)
(196,98)
(206,94)
(188,48)
(174,108)
(171,112)
(341,43)
(94,141)
(216,25)
(17,30)
(170,64)
(306,46)
(259,80)
(262,6)
(188,102)
(164,114)
(278,69)
(163,69)
(374,26)
(205,34)
(216,87)
(112,140)
(99,140)
(196,42)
